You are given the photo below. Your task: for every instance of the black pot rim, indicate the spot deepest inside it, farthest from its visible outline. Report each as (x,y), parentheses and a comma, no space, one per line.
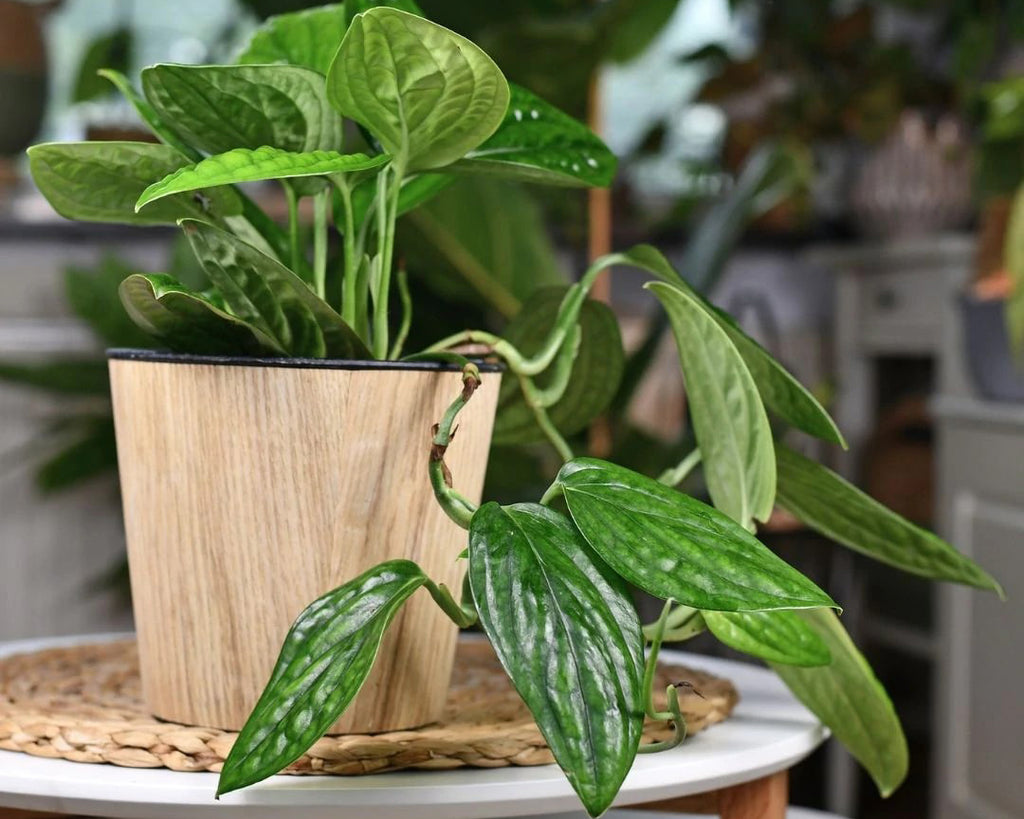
(167,357)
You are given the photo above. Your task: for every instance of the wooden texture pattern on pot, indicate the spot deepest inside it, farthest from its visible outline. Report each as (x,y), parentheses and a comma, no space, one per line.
(250,491)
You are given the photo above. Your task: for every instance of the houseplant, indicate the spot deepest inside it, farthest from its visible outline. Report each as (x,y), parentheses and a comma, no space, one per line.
(546,585)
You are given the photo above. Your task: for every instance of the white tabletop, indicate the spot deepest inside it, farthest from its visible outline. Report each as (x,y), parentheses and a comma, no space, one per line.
(768,732)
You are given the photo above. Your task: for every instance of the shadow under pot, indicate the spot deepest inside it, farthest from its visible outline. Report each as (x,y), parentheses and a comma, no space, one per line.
(251,487)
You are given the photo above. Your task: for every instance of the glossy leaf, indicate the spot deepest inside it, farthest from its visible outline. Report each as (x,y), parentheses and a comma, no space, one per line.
(729,419)
(187,321)
(324,661)
(849,699)
(674,546)
(265,292)
(537,142)
(778,636)
(833,506)
(247,165)
(217,108)
(428,94)
(111,50)
(595,372)
(101,181)
(354,7)
(307,38)
(147,113)
(567,634)
(482,240)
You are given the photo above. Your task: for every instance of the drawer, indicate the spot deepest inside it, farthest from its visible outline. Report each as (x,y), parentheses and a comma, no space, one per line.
(902,310)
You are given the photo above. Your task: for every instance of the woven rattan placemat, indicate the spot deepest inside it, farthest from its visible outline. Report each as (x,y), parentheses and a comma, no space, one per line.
(83,704)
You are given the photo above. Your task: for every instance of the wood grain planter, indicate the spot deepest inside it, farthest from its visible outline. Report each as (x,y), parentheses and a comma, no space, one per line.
(251,487)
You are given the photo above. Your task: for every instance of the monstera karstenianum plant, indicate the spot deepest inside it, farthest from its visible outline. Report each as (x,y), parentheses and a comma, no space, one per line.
(370,110)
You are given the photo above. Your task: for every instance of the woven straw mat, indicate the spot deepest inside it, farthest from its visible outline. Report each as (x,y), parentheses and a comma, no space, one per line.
(83,704)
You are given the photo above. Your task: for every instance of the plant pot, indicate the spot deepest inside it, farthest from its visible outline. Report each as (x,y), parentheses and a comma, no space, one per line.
(251,487)
(996,374)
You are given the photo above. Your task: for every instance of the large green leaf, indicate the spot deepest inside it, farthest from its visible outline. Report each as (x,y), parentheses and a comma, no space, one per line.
(833,506)
(101,181)
(482,240)
(568,636)
(729,419)
(247,165)
(147,113)
(849,699)
(307,38)
(187,321)
(779,636)
(265,292)
(428,94)
(595,372)
(779,390)
(324,661)
(536,142)
(674,546)
(216,108)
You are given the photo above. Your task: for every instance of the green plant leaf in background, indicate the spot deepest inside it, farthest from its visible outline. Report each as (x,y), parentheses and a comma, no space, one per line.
(270,296)
(675,547)
(147,113)
(567,634)
(778,636)
(354,7)
(781,392)
(92,296)
(216,108)
(84,377)
(101,181)
(428,94)
(91,452)
(307,38)
(188,321)
(1014,256)
(247,165)
(831,505)
(729,419)
(595,372)
(537,142)
(109,51)
(638,30)
(324,661)
(849,699)
(482,239)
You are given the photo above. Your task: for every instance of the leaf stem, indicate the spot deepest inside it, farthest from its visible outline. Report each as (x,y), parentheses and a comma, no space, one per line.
(552,492)
(321,204)
(533,399)
(350,271)
(403,330)
(677,474)
(294,250)
(463,613)
(674,714)
(459,508)
(387,194)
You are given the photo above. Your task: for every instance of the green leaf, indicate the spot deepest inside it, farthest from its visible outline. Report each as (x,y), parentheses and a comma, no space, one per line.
(778,636)
(567,634)
(92,296)
(482,240)
(428,94)
(189,322)
(92,453)
(1014,256)
(537,142)
(849,699)
(324,661)
(307,38)
(216,108)
(147,113)
(269,295)
(780,391)
(674,546)
(831,505)
(112,51)
(83,377)
(729,419)
(101,181)
(639,29)
(595,372)
(416,190)
(247,165)
(354,7)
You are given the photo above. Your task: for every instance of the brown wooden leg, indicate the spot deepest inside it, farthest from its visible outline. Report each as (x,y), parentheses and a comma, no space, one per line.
(764,798)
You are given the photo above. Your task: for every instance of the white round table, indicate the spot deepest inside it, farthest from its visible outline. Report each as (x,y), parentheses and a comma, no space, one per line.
(769,732)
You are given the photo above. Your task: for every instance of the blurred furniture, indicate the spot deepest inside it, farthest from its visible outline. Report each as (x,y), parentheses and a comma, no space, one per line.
(53,550)
(978,709)
(893,303)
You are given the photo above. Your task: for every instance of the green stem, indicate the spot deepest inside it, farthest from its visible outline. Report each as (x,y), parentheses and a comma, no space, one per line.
(387,194)
(321,205)
(457,507)
(674,714)
(463,614)
(403,330)
(534,401)
(677,474)
(294,250)
(552,492)
(350,272)
(561,371)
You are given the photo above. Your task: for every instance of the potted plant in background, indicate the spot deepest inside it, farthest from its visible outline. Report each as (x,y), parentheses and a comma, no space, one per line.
(284,449)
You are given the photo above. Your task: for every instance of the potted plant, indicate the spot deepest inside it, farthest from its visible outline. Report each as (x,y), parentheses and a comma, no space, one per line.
(285,445)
